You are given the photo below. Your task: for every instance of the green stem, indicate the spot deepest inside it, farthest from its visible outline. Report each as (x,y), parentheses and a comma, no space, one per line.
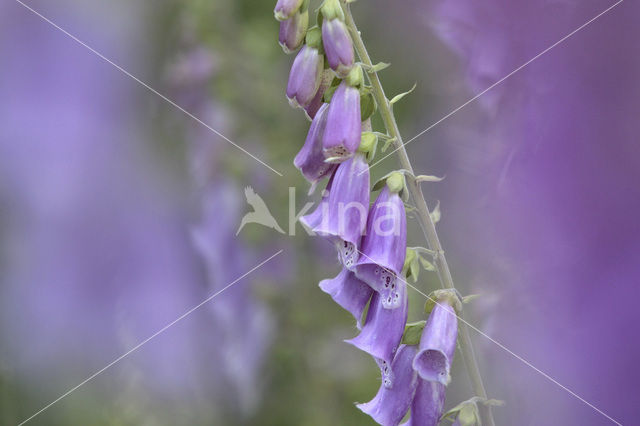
(427,225)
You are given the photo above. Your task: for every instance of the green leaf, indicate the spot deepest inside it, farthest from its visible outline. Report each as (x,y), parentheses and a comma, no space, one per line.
(468,415)
(428,266)
(415,269)
(436,215)
(470,298)
(425,178)
(396,98)
(412,333)
(377,67)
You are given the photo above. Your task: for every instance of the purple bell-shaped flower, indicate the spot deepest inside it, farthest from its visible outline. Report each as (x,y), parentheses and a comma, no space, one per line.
(336,39)
(310,159)
(393,399)
(383,328)
(349,292)
(318,100)
(438,342)
(306,72)
(427,405)
(344,126)
(384,247)
(342,216)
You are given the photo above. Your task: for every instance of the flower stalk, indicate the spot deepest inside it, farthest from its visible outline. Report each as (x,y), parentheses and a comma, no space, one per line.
(425,220)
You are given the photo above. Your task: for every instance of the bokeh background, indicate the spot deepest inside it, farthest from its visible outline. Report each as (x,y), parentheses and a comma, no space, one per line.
(118,212)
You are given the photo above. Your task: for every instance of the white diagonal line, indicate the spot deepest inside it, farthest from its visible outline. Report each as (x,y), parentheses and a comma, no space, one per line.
(501,80)
(151,89)
(163,329)
(510,352)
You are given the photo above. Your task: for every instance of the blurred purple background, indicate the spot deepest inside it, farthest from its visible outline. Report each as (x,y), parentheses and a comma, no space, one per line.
(109,225)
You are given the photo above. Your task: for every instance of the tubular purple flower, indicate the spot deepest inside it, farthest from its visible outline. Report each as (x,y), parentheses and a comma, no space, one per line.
(310,159)
(384,248)
(338,46)
(427,405)
(437,344)
(342,217)
(392,401)
(344,128)
(286,8)
(305,76)
(318,100)
(383,328)
(349,292)
(293,30)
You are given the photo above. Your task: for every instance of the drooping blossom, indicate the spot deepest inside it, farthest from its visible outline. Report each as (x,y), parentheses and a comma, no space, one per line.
(342,216)
(394,398)
(384,248)
(349,292)
(310,158)
(344,126)
(383,328)
(305,75)
(293,31)
(427,405)
(438,343)
(337,42)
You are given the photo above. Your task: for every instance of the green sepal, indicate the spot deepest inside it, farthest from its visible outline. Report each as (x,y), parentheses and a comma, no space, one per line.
(328,94)
(396,98)
(331,9)
(368,144)
(448,296)
(426,178)
(436,214)
(413,332)
(314,38)
(380,183)
(372,69)
(426,265)
(467,411)
(368,105)
(355,78)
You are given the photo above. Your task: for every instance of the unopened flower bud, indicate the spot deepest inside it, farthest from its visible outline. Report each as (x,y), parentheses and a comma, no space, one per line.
(293,31)
(286,8)
(338,46)
(310,159)
(305,76)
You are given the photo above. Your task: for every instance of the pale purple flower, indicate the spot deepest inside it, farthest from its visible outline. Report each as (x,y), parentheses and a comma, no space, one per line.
(338,46)
(318,100)
(384,248)
(286,8)
(293,30)
(393,399)
(342,215)
(383,328)
(349,292)
(305,76)
(437,344)
(427,405)
(310,159)
(344,127)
